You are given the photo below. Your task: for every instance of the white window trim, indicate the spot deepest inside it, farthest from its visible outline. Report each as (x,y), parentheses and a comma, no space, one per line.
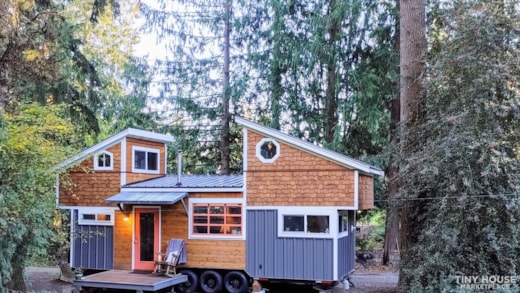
(216,201)
(147,150)
(96,211)
(308,211)
(96,160)
(345,231)
(259,148)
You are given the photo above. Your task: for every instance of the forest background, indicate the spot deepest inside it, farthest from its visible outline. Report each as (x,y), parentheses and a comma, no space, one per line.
(428,91)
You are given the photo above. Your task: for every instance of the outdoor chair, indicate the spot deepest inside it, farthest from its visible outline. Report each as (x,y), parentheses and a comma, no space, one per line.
(167,262)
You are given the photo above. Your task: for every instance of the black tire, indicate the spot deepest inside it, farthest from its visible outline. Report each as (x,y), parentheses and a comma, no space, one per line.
(211,282)
(236,282)
(193,282)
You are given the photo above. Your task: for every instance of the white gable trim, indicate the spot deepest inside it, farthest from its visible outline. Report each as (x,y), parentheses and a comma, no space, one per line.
(129,132)
(309,147)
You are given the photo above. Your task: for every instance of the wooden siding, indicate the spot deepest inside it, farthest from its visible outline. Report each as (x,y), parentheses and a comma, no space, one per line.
(296,178)
(123,241)
(81,185)
(84,186)
(201,253)
(366,192)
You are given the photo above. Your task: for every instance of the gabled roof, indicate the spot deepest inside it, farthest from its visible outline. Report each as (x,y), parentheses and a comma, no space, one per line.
(309,147)
(114,139)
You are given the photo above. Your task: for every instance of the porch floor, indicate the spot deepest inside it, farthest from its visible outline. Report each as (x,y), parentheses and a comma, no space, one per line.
(120,279)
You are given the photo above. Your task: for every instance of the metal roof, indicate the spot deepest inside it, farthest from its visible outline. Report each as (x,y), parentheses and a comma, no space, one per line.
(191,181)
(146,197)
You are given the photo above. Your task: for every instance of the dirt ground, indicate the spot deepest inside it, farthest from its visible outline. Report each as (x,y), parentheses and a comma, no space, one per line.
(371,280)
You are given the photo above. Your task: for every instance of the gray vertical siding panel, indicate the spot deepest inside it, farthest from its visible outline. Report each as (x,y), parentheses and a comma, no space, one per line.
(352,236)
(346,248)
(269,256)
(93,246)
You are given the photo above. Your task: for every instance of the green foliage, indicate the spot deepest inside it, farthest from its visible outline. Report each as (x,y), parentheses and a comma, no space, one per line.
(32,141)
(63,52)
(323,71)
(372,233)
(461,178)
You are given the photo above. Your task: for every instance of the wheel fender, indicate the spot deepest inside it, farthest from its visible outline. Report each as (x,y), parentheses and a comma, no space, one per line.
(239,278)
(193,279)
(211,275)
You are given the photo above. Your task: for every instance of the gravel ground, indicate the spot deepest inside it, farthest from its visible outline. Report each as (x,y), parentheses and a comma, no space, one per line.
(46,278)
(373,280)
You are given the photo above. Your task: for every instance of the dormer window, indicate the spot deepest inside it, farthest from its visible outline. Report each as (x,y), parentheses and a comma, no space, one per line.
(145,160)
(267,150)
(104,161)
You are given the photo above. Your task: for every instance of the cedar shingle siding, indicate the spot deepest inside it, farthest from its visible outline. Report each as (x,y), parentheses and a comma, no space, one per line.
(296,178)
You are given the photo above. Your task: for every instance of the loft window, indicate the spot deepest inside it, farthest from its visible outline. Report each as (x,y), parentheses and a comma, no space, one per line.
(267,150)
(145,160)
(216,220)
(104,161)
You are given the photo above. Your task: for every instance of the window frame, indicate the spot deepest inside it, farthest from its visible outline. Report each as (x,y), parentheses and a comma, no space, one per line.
(259,150)
(229,202)
(343,224)
(146,151)
(96,212)
(96,161)
(306,212)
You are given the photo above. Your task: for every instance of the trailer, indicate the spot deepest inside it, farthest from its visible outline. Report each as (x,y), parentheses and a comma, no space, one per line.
(290,216)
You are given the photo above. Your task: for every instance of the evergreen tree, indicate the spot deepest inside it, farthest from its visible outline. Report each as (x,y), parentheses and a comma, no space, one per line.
(461,170)
(198,89)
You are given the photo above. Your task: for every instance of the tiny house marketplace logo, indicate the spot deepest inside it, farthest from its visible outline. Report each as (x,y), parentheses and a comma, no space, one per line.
(486,283)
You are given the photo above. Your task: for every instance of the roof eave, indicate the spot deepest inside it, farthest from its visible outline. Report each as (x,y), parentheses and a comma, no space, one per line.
(298,143)
(130,132)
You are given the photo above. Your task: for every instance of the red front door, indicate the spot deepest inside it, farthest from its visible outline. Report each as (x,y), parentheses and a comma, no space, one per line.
(146,238)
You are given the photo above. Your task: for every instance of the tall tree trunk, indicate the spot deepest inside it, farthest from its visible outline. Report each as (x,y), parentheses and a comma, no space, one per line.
(17,278)
(412,26)
(391,244)
(276,67)
(332,100)
(225,131)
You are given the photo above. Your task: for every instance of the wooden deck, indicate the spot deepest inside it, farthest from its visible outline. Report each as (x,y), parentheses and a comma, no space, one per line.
(127,280)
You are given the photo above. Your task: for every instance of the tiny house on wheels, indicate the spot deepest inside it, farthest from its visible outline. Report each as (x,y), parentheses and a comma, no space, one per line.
(289,217)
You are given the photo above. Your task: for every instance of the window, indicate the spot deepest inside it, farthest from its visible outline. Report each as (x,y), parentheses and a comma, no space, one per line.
(146,160)
(267,150)
(103,161)
(307,223)
(343,224)
(216,219)
(96,216)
